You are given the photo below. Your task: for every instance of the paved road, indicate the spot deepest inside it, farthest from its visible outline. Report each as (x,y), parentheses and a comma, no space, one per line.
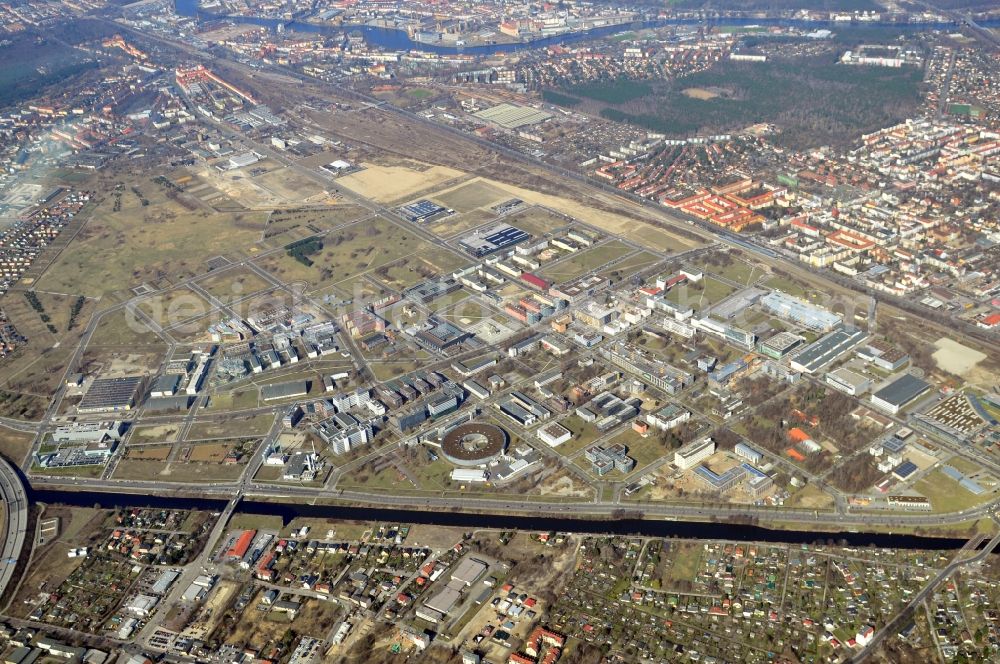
(15,502)
(250,490)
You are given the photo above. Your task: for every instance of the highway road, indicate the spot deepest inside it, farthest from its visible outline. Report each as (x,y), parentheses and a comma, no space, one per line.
(15,501)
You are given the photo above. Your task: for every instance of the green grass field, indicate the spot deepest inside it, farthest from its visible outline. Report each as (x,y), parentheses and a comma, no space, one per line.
(946,495)
(586,260)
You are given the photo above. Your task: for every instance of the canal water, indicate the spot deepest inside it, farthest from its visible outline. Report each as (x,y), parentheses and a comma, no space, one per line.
(595,526)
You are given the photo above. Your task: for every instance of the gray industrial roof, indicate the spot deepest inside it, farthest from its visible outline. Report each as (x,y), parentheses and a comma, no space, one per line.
(901,391)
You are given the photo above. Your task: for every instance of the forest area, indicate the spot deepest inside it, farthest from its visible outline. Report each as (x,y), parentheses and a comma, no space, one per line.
(812,101)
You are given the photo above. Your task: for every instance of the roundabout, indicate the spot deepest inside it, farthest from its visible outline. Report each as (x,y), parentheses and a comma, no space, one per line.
(474,444)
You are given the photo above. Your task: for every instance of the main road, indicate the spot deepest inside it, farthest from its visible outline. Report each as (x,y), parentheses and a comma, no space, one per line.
(15,501)
(249,490)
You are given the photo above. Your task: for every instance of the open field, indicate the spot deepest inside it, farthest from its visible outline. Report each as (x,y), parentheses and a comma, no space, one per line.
(786,285)
(946,495)
(115,361)
(411,270)
(616,224)
(312,220)
(240,399)
(153,434)
(685,559)
(56,311)
(174,305)
(233,284)
(739,271)
(955,358)
(584,434)
(238,189)
(141,470)
(460,223)
(34,373)
(36,366)
(22,406)
(252,425)
(210,452)
(147,452)
(158,243)
(811,497)
(124,328)
(289,185)
(368,246)
(537,220)
(471,195)
(639,261)
(700,93)
(586,261)
(14,445)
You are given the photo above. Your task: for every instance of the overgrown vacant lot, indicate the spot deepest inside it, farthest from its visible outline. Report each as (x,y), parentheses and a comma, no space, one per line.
(360,248)
(157,242)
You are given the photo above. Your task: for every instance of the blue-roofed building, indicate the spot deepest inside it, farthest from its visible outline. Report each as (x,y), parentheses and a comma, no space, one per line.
(953,473)
(972,486)
(495,238)
(905,470)
(727,372)
(723,482)
(893,445)
(799,311)
(421,210)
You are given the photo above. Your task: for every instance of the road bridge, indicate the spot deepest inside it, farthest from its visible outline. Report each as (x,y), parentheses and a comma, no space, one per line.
(15,526)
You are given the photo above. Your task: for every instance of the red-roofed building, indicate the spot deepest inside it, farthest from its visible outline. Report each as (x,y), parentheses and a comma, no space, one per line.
(674,280)
(535,280)
(241,545)
(804,228)
(797,435)
(264,571)
(990,321)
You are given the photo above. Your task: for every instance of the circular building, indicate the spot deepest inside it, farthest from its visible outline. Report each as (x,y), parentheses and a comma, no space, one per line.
(474,444)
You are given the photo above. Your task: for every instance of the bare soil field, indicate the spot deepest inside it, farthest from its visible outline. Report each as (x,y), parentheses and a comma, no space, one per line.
(147,452)
(955,358)
(209,452)
(388,184)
